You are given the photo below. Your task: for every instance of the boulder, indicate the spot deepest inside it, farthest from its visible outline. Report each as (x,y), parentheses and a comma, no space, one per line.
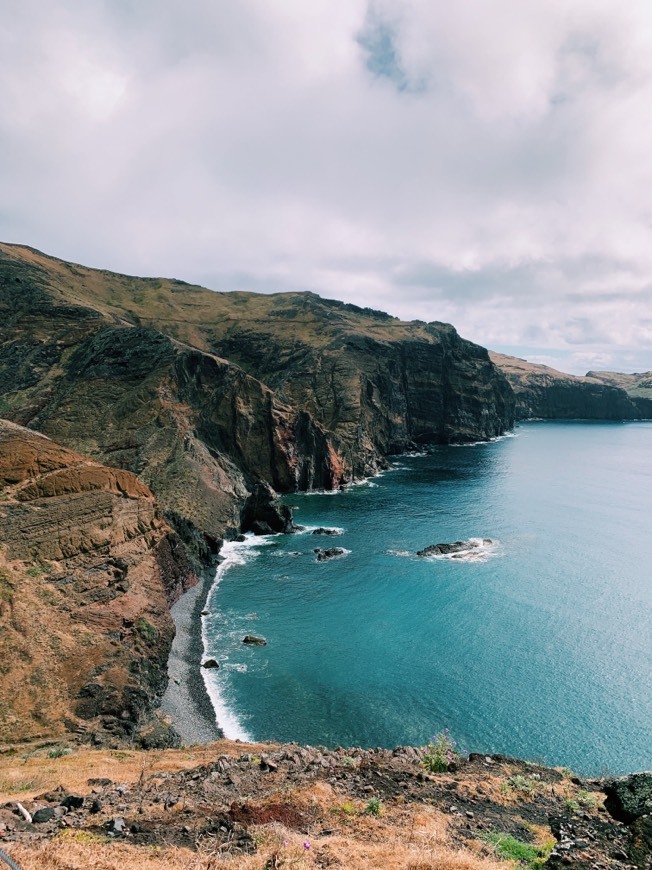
(252,640)
(210,663)
(629,797)
(330,553)
(263,513)
(324,531)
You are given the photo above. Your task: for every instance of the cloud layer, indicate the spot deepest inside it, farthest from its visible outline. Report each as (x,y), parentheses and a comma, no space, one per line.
(488,164)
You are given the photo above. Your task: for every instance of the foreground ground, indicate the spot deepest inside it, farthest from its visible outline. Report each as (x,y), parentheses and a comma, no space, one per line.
(246,806)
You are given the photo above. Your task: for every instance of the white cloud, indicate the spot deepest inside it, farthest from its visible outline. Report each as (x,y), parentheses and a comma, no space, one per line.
(487,164)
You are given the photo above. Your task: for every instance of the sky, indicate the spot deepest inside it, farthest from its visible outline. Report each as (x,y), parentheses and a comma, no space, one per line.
(486,162)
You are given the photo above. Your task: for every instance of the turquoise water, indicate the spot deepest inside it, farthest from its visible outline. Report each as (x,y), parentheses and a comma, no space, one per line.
(541,648)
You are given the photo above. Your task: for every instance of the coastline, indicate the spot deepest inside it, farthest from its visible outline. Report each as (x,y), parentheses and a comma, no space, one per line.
(185,701)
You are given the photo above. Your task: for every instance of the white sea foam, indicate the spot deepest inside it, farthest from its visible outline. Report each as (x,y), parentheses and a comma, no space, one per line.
(334,530)
(233,553)
(488,441)
(403,553)
(479,550)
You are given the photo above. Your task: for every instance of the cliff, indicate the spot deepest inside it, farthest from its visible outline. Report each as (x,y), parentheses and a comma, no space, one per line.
(88,568)
(638,387)
(203,394)
(543,393)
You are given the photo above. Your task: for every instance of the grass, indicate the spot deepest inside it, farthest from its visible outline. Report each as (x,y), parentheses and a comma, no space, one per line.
(530,855)
(440,753)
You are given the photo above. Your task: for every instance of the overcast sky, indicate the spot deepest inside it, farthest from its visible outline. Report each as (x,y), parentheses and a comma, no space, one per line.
(483,162)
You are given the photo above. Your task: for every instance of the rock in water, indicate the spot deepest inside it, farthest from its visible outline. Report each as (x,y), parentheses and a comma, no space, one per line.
(263,514)
(252,640)
(210,663)
(330,553)
(323,531)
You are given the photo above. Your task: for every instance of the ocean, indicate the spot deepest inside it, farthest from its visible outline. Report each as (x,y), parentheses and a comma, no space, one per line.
(536,645)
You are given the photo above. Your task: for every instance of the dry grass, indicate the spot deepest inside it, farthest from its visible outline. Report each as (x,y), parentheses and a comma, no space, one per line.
(27,771)
(408,839)
(404,837)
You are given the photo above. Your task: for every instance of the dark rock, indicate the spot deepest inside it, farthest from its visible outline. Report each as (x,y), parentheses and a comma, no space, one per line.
(629,797)
(241,538)
(330,553)
(95,807)
(454,547)
(252,640)
(263,514)
(45,814)
(324,531)
(117,825)
(210,663)
(73,802)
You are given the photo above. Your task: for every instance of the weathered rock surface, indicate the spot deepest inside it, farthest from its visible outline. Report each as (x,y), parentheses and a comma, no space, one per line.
(638,387)
(454,547)
(254,640)
(329,553)
(264,514)
(543,393)
(204,394)
(89,568)
(629,797)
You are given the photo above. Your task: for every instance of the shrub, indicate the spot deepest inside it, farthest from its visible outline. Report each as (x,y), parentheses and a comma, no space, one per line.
(374,807)
(440,753)
(510,849)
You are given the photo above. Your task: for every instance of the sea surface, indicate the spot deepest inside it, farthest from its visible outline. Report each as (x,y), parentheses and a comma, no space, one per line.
(537,646)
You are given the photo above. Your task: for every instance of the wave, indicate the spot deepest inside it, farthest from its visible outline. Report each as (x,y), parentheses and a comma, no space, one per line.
(334,531)
(479,550)
(233,553)
(493,440)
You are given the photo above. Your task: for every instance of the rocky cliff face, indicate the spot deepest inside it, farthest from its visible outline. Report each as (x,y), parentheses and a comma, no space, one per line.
(88,568)
(638,387)
(543,393)
(203,394)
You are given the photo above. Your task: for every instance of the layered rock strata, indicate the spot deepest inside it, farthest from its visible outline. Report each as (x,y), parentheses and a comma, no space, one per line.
(203,394)
(88,570)
(543,393)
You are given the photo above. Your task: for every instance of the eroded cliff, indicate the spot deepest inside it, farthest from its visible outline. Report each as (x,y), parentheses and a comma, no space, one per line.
(543,393)
(88,569)
(203,394)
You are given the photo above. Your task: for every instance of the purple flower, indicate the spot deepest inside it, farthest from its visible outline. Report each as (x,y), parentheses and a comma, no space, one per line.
(306,844)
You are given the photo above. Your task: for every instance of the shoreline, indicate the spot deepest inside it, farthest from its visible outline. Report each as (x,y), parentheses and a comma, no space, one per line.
(186,702)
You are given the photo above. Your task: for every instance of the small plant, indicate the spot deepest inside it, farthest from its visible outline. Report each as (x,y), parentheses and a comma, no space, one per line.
(571,805)
(524,784)
(146,630)
(586,799)
(347,808)
(374,807)
(440,753)
(59,751)
(34,571)
(510,849)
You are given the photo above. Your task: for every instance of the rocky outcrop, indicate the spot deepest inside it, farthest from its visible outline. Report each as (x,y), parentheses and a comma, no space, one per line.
(89,569)
(204,394)
(638,387)
(629,797)
(263,514)
(543,393)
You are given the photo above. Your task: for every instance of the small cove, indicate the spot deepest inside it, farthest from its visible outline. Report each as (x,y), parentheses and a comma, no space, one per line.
(542,650)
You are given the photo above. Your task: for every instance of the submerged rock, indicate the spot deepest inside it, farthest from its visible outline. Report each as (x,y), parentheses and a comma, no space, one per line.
(330,553)
(253,640)
(455,547)
(324,531)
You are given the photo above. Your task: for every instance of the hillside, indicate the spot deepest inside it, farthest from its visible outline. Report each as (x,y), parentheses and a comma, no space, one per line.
(254,806)
(202,394)
(88,569)
(544,393)
(638,387)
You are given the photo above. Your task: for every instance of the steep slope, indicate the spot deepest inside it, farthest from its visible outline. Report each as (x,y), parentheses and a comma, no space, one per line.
(546,394)
(88,568)
(202,394)
(197,429)
(638,387)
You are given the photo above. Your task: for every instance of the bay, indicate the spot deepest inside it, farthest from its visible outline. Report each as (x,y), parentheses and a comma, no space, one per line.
(540,649)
